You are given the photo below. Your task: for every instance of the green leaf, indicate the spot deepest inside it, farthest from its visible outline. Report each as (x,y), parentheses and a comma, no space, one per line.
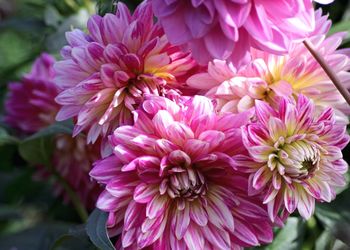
(52,16)
(341,27)
(9,212)
(18,24)
(37,149)
(97,230)
(6,139)
(326,241)
(57,40)
(40,237)
(75,239)
(65,127)
(335,216)
(290,236)
(106,6)
(339,245)
(71,242)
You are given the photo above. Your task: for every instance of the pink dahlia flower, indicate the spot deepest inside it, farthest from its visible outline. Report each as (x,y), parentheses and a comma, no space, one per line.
(295,156)
(226,29)
(106,74)
(172,185)
(31,105)
(269,76)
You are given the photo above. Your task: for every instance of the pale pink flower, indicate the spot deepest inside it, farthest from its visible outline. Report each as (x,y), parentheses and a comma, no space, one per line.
(295,156)
(226,29)
(171,183)
(268,76)
(104,75)
(31,105)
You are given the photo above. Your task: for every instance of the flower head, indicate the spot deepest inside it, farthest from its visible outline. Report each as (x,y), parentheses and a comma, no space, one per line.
(269,76)
(31,105)
(171,183)
(105,74)
(225,29)
(295,156)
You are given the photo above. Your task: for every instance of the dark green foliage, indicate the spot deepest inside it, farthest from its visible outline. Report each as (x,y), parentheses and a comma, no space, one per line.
(97,231)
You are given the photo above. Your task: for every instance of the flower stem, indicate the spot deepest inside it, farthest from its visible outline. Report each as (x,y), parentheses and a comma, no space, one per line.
(328,70)
(74,198)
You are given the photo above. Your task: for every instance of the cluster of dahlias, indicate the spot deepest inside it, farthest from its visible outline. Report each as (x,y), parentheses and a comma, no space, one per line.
(214,122)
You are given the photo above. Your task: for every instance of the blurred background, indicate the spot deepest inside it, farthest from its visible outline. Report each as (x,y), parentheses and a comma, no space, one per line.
(29,214)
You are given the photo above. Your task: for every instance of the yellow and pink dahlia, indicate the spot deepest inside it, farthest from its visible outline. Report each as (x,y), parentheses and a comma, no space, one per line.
(172,184)
(295,156)
(105,75)
(269,76)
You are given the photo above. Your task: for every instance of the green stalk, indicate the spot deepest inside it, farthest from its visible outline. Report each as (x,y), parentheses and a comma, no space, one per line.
(74,198)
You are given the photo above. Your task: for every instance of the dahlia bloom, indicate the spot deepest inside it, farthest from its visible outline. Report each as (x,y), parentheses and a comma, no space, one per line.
(30,105)
(104,75)
(225,29)
(269,76)
(171,182)
(295,156)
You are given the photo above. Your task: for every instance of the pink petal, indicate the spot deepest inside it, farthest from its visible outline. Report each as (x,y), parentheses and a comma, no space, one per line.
(202,81)
(264,112)
(219,214)
(306,204)
(220,239)
(262,177)
(180,222)
(290,198)
(194,238)
(245,234)
(199,215)
(104,170)
(144,193)
(156,206)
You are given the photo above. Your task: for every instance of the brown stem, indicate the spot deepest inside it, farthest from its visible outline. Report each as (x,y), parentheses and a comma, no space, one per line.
(328,70)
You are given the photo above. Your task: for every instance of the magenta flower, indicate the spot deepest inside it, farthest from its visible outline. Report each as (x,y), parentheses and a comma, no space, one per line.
(172,185)
(225,29)
(269,76)
(31,105)
(105,74)
(295,156)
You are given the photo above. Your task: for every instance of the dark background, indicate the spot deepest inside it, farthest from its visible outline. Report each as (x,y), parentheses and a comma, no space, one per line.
(30,216)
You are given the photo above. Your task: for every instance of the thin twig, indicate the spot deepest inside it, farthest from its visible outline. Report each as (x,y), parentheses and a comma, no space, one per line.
(328,70)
